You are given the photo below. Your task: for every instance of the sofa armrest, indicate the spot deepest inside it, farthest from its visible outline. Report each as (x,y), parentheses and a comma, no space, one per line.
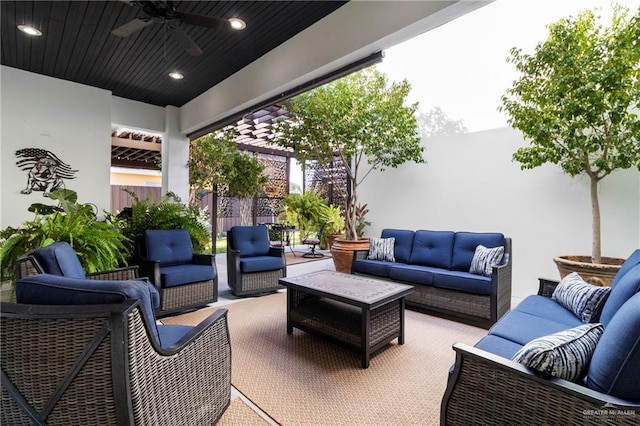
(488,389)
(358,255)
(547,286)
(151,269)
(501,285)
(126,273)
(276,251)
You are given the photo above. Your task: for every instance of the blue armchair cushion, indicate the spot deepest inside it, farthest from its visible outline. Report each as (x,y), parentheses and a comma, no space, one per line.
(581,298)
(172,276)
(250,240)
(565,354)
(464,247)
(432,248)
(621,291)
(260,264)
(169,246)
(614,366)
(484,259)
(171,333)
(402,244)
(47,289)
(59,259)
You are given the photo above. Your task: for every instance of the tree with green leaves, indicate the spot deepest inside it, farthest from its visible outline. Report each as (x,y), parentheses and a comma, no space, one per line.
(246,179)
(363,120)
(577,100)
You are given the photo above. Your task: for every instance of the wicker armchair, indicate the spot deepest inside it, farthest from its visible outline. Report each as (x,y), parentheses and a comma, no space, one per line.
(108,364)
(184,279)
(253,266)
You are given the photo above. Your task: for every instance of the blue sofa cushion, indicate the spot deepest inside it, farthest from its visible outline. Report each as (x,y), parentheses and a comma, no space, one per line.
(565,354)
(171,333)
(172,276)
(520,327)
(463,281)
(169,246)
(47,289)
(498,346)
(413,273)
(581,298)
(632,260)
(621,291)
(614,366)
(59,259)
(544,307)
(432,248)
(260,264)
(372,267)
(402,245)
(464,247)
(250,240)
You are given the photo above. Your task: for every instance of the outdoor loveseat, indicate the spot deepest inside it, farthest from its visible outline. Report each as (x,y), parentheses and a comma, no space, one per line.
(577,359)
(438,265)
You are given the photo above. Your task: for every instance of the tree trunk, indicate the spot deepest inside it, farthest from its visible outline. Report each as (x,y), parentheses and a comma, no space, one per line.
(245,205)
(596,249)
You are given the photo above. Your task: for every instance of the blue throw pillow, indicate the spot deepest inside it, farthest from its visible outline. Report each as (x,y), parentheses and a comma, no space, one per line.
(381,249)
(484,259)
(565,354)
(581,298)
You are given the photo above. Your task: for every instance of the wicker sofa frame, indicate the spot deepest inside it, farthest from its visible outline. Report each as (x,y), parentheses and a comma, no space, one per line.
(488,389)
(475,309)
(97,364)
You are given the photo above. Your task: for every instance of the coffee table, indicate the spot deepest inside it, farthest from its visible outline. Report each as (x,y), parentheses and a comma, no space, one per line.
(360,312)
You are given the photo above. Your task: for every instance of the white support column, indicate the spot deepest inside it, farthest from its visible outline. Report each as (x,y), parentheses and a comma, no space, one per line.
(175,156)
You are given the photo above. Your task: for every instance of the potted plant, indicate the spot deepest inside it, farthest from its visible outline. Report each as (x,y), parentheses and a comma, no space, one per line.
(99,244)
(366,123)
(334,227)
(577,102)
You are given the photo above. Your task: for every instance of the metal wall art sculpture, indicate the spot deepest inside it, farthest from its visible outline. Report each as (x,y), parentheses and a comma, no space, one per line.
(46,170)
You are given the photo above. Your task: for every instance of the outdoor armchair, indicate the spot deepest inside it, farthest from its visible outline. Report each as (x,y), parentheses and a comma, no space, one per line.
(253,266)
(313,241)
(184,279)
(78,352)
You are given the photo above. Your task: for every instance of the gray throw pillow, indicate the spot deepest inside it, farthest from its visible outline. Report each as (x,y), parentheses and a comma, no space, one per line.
(484,259)
(381,249)
(583,299)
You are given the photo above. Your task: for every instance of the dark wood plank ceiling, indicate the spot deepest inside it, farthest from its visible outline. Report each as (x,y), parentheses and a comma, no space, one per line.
(77,44)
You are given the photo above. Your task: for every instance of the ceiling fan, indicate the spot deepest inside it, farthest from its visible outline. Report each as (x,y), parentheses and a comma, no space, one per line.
(165,13)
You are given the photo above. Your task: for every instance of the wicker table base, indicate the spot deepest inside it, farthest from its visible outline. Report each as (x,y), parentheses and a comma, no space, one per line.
(362,313)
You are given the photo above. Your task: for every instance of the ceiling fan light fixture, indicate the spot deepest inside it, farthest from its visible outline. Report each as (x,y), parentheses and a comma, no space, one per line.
(27,29)
(176,75)
(237,24)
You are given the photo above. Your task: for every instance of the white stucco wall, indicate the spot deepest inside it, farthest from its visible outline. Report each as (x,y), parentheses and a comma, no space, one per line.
(471,184)
(70,120)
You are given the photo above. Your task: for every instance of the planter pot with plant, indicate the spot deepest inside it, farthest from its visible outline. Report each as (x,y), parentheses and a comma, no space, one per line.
(362,120)
(577,101)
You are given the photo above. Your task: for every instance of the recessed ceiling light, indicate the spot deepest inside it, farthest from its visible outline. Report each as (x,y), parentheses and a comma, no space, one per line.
(29,30)
(176,75)
(237,23)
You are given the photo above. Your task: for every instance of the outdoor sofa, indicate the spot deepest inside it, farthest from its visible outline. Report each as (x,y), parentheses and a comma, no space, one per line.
(438,265)
(571,378)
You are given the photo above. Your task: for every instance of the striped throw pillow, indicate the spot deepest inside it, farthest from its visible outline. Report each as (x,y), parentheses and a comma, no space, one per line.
(566,354)
(583,299)
(484,259)
(381,249)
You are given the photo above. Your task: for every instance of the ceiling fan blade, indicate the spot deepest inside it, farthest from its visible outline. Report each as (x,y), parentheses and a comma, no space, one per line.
(202,21)
(183,40)
(131,27)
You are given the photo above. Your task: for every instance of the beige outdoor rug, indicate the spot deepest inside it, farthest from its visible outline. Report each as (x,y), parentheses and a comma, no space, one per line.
(302,379)
(240,414)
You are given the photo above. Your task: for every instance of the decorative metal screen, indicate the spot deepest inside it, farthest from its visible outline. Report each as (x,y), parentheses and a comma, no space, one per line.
(329,181)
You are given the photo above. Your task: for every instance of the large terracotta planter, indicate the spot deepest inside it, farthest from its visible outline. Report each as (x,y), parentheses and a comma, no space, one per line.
(342,252)
(595,273)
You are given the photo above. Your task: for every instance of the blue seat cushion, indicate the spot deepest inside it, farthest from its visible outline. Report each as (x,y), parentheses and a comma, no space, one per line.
(260,264)
(521,327)
(413,273)
(463,281)
(464,247)
(498,346)
(171,333)
(402,245)
(614,365)
(172,276)
(545,307)
(621,291)
(250,240)
(432,248)
(169,246)
(47,289)
(379,268)
(59,259)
